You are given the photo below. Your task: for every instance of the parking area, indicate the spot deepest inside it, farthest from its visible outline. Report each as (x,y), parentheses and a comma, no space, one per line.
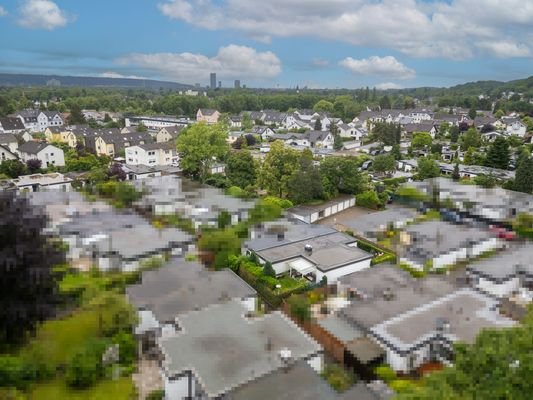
(335,221)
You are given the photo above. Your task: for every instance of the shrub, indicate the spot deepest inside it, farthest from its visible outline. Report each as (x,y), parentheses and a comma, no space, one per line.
(158,394)
(402,385)
(268,270)
(85,367)
(283,203)
(385,373)
(16,372)
(127,347)
(337,377)
(368,199)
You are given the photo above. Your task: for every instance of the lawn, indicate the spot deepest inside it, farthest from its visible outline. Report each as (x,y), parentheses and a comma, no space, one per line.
(57,340)
(121,389)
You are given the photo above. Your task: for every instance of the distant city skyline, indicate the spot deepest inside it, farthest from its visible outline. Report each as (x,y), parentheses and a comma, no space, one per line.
(333,44)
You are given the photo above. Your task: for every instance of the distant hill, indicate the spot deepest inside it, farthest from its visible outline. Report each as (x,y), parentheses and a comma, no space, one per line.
(87,81)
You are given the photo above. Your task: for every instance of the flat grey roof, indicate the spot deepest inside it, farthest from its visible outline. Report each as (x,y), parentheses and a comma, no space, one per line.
(432,238)
(376,309)
(371,282)
(340,328)
(225,350)
(141,240)
(508,263)
(329,251)
(299,382)
(466,311)
(99,222)
(180,286)
(378,221)
(305,210)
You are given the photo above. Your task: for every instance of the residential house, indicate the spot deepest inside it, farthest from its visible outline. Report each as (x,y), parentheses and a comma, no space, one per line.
(139,172)
(437,244)
(207,115)
(515,127)
(312,251)
(180,287)
(274,118)
(505,274)
(168,134)
(48,154)
(9,141)
(240,349)
(152,154)
(320,139)
(126,249)
(29,119)
(40,182)
(235,121)
(6,153)
(415,321)
(112,144)
(426,127)
(62,135)
(350,131)
(264,131)
(200,204)
(11,125)
(373,224)
(46,119)
(155,123)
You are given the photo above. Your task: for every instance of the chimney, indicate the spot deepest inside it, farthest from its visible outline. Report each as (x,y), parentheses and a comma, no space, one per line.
(281,236)
(308,249)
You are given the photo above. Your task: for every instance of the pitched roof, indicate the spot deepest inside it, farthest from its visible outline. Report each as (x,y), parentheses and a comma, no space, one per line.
(157,146)
(207,111)
(11,124)
(6,138)
(33,147)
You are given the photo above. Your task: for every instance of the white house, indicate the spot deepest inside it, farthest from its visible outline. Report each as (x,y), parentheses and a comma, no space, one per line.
(47,119)
(312,214)
(6,154)
(48,154)
(152,154)
(350,131)
(264,131)
(506,273)
(168,134)
(516,127)
(40,182)
(208,116)
(9,141)
(29,119)
(11,125)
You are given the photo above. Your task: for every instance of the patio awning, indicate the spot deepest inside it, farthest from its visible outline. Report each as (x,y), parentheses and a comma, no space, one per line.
(303,266)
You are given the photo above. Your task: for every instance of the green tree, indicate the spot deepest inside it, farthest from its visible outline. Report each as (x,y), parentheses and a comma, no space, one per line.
(323,106)
(221,244)
(13,168)
(338,143)
(305,184)
(199,146)
(318,124)
(421,140)
(368,199)
(498,155)
(471,138)
(341,175)
(241,169)
(472,113)
(524,176)
(454,133)
(384,164)
(385,103)
(142,128)
(28,288)
(427,168)
(76,116)
(277,169)
(268,270)
(247,123)
(455,174)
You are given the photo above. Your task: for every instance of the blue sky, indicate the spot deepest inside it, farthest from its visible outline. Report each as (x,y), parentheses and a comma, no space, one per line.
(318,43)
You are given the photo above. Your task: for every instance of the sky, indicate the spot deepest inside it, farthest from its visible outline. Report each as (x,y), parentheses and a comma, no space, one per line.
(272,43)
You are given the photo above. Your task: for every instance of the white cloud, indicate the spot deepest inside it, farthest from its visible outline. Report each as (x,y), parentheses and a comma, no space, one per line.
(112,74)
(3,11)
(455,29)
(388,85)
(380,66)
(231,62)
(42,14)
(506,49)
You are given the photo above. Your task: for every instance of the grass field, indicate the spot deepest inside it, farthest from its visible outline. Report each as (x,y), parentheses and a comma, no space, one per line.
(121,389)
